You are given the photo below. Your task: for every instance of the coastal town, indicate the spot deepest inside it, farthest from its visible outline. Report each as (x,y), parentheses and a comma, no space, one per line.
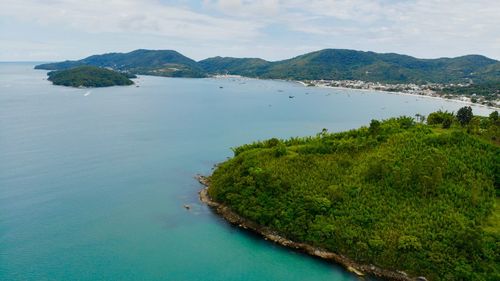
(430,90)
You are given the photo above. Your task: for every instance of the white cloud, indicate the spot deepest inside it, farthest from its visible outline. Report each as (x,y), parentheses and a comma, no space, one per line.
(425,28)
(273,29)
(245,8)
(145,16)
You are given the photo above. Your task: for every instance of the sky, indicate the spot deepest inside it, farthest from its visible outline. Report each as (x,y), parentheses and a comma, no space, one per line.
(52,30)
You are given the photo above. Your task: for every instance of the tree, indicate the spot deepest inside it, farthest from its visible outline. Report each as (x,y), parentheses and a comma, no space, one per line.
(464,115)
(494,116)
(374,127)
(444,118)
(447,123)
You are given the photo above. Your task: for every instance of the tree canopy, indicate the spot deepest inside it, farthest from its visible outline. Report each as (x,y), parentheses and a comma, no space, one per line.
(398,194)
(89,76)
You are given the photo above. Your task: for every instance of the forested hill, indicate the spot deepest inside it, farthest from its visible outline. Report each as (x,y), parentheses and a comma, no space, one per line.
(337,64)
(334,64)
(399,194)
(250,67)
(89,76)
(148,62)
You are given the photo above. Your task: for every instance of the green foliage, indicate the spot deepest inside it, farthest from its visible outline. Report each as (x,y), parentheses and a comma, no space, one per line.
(235,66)
(494,116)
(447,123)
(489,90)
(399,194)
(338,64)
(408,243)
(374,128)
(148,62)
(280,150)
(464,115)
(89,76)
(443,118)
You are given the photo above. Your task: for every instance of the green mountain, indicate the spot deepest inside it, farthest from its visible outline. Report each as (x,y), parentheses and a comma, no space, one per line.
(236,66)
(336,64)
(401,195)
(89,76)
(491,72)
(147,62)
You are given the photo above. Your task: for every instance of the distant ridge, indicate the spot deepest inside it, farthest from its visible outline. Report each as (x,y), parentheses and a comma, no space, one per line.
(147,62)
(333,64)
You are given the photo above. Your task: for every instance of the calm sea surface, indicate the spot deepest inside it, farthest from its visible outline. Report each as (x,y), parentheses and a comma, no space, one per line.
(93,182)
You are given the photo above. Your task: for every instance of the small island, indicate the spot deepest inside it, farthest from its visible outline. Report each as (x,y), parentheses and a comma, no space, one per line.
(89,76)
(402,199)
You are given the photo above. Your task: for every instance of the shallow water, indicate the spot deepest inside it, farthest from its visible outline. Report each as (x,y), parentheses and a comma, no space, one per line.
(93,182)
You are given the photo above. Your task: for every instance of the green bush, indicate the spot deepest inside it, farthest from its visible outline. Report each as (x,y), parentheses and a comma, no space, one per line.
(398,194)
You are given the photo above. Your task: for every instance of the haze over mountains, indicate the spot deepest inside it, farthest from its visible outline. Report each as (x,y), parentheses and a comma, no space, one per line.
(334,64)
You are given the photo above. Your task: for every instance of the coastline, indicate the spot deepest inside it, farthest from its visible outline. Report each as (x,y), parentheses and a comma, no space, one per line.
(402,94)
(268,234)
(493,108)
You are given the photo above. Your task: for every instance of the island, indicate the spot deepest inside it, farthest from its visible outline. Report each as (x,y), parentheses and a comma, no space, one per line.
(403,199)
(89,76)
(166,63)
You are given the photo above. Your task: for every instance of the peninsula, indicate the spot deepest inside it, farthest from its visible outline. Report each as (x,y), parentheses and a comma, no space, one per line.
(89,76)
(401,199)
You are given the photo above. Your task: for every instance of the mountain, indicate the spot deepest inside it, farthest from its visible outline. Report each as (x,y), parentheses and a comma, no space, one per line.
(338,64)
(492,70)
(147,62)
(236,66)
(334,64)
(89,76)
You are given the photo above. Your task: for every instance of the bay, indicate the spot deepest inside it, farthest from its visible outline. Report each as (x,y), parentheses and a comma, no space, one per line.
(93,181)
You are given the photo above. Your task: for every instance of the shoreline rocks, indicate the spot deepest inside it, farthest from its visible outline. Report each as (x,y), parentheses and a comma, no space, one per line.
(270,235)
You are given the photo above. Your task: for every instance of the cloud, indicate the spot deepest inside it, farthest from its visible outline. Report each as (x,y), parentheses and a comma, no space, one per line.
(464,26)
(273,29)
(420,27)
(254,9)
(145,16)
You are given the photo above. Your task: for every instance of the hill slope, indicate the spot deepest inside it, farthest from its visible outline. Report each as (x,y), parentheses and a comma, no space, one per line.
(236,66)
(148,62)
(88,76)
(338,64)
(399,195)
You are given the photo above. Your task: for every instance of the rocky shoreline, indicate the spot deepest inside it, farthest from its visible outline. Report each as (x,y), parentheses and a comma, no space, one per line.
(268,234)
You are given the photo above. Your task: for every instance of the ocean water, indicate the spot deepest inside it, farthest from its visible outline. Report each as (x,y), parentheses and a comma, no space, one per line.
(93,181)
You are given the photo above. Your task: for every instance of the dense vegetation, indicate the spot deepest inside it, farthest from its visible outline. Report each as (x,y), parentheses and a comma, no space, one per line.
(399,194)
(336,64)
(148,62)
(489,90)
(89,76)
(250,67)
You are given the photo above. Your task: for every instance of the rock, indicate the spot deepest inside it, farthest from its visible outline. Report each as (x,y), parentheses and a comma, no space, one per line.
(355,271)
(421,278)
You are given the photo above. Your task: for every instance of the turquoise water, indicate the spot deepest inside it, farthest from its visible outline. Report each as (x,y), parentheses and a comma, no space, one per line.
(93,182)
